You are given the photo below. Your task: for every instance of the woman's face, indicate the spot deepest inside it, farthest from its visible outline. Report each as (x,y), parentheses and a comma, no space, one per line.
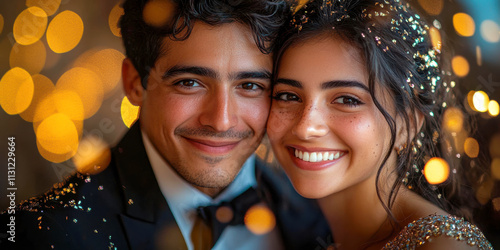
(324,127)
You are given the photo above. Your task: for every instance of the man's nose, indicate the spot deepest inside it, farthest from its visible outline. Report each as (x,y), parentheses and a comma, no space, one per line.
(220,111)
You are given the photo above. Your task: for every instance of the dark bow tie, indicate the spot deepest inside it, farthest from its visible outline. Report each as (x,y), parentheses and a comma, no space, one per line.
(217,217)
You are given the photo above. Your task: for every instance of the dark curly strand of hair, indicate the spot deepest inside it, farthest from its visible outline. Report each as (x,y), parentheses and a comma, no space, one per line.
(143,43)
(399,57)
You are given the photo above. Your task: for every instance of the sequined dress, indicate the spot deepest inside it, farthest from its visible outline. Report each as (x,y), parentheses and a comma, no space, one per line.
(424,229)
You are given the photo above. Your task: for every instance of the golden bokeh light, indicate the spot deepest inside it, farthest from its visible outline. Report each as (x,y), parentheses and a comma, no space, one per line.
(483,193)
(270,157)
(93,156)
(158,13)
(29,57)
(30,25)
(43,88)
(49,6)
(435,38)
(432,7)
(106,63)
(16,91)
(479,56)
(46,107)
(464,24)
(460,66)
(495,168)
(471,147)
(459,141)
(453,119)
(64,32)
(129,112)
(493,108)
(490,31)
(260,220)
(58,135)
(65,102)
(114,17)
(495,146)
(480,101)
(68,102)
(87,85)
(49,156)
(470,100)
(1,23)
(261,151)
(436,170)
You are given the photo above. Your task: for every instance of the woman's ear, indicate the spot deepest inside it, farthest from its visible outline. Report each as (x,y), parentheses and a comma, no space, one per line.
(132,83)
(416,120)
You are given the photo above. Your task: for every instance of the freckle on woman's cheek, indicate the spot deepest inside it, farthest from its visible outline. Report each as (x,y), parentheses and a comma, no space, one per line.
(279,119)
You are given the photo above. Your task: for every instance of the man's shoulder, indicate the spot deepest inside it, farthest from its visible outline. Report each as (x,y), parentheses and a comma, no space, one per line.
(79,207)
(73,193)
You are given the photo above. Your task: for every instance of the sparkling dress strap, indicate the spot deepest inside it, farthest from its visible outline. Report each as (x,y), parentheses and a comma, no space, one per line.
(422,230)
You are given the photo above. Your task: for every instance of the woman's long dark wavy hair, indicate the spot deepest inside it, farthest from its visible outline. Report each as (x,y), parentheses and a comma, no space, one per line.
(399,56)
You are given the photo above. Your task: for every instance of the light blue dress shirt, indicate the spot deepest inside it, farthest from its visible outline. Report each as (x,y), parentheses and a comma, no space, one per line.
(183,199)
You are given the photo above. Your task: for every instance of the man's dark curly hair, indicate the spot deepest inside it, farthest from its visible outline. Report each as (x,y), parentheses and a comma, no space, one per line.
(143,43)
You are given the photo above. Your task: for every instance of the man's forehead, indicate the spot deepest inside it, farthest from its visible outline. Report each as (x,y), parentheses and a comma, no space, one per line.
(226,49)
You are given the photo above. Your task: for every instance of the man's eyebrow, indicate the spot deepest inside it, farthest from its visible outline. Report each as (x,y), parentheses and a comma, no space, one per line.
(262,74)
(293,83)
(178,70)
(343,83)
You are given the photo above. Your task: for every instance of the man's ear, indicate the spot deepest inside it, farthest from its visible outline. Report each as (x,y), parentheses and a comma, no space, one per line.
(416,122)
(132,83)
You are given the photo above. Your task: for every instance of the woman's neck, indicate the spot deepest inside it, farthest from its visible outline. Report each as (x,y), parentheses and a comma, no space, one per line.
(356,217)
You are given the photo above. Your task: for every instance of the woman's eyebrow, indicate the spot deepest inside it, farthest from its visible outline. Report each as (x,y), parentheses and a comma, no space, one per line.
(325,85)
(343,83)
(293,83)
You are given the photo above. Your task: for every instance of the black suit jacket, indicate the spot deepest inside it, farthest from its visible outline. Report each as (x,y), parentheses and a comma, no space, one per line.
(123,207)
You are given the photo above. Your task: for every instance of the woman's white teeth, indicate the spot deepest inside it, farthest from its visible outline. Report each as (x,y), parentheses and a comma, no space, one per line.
(317,156)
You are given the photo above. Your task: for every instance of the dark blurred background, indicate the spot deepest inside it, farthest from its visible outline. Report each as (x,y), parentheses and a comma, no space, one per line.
(71,52)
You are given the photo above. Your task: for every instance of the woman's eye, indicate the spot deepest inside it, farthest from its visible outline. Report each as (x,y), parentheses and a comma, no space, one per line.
(250,86)
(188,83)
(348,100)
(287,97)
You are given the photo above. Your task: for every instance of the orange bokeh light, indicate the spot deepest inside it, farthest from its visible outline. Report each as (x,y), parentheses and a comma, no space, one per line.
(87,85)
(464,24)
(29,57)
(436,170)
(30,25)
(16,91)
(64,32)
(114,17)
(460,66)
(49,6)
(43,88)
(259,219)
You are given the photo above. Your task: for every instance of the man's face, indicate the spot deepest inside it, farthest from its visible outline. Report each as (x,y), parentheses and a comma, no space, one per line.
(207,101)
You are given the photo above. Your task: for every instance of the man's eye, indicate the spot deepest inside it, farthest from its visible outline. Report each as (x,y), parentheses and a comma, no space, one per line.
(250,86)
(188,83)
(348,100)
(287,97)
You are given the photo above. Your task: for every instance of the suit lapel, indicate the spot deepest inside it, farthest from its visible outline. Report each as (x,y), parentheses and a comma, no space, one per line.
(146,211)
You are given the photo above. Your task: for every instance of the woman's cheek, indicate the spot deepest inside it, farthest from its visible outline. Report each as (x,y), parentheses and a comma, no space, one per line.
(281,120)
